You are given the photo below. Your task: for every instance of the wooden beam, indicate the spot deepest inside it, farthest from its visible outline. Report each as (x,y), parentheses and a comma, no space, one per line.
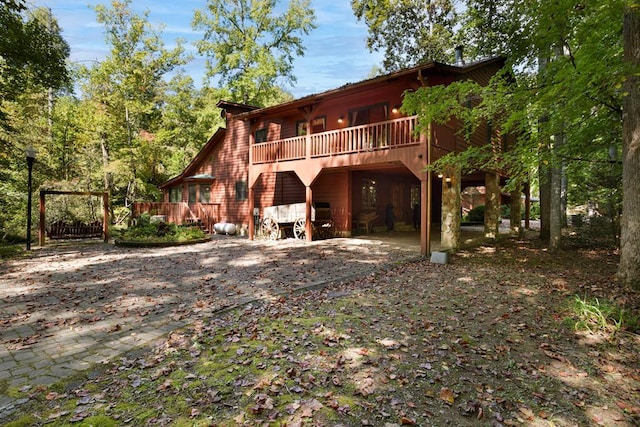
(41,230)
(105,216)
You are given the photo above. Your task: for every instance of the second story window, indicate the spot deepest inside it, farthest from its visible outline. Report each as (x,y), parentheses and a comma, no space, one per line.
(368,194)
(261,135)
(319,124)
(301,128)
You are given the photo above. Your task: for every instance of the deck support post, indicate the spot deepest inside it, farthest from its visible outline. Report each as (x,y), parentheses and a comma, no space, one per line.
(252,216)
(308,225)
(426,191)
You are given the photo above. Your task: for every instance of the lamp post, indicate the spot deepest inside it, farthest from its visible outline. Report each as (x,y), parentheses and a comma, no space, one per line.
(30,153)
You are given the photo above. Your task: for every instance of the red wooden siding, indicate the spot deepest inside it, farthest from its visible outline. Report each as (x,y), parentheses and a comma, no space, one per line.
(333,187)
(280,188)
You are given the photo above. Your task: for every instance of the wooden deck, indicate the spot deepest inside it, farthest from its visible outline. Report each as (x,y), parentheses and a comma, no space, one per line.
(356,139)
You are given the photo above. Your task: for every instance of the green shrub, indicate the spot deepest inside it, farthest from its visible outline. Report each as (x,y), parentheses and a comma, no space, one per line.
(505,211)
(476,214)
(146,231)
(534,211)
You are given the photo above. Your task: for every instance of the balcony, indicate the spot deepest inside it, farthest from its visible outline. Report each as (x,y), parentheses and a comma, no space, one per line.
(352,140)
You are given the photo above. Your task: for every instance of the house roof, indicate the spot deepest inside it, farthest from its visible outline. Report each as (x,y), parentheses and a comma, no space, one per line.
(188,174)
(431,66)
(249,111)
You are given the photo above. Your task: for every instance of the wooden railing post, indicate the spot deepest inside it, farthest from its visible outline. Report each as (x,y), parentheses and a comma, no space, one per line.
(308,141)
(105,219)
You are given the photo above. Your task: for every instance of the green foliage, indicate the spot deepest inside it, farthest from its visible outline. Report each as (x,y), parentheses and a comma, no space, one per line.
(123,98)
(505,211)
(10,250)
(534,212)
(250,48)
(145,230)
(32,61)
(409,31)
(595,315)
(23,421)
(189,118)
(559,98)
(476,214)
(32,54)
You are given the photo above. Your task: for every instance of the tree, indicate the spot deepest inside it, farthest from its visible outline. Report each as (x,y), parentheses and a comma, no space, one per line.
(629,268)
(408,31)
(125,94)
(249,48)
(189,118)
(32,63)
(577,95)
(32,54)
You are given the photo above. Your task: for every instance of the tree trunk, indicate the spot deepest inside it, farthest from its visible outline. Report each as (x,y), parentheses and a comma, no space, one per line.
(564,189)
(105,167)
(629,268)
(555,202)
(527,205)
(544,170)
(451,201)
(491,205)
(105,163)
(544,177)
(515,211)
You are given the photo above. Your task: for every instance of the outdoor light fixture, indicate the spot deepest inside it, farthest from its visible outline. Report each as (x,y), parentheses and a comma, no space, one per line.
(448,181)
(340,119)
(30,154)
(395,109)
(440,175)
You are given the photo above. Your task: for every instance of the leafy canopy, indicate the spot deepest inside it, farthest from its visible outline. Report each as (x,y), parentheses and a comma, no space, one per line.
(32,54)
(250,48)
(408,31)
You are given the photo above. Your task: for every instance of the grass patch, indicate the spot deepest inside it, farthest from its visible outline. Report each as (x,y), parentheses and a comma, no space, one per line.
(8,251)
(601,316)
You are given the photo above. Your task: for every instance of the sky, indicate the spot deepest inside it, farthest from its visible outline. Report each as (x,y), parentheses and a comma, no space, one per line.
(336,51)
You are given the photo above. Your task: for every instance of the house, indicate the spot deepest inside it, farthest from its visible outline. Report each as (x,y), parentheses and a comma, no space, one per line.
(349,148)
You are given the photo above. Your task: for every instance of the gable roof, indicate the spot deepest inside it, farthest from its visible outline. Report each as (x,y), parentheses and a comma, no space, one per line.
(189,172)
(428,67)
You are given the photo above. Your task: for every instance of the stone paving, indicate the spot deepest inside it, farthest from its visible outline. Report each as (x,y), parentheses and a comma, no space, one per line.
(68,307)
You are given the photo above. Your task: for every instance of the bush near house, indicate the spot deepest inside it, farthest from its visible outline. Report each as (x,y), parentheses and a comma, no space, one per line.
(475,215)
(146,231)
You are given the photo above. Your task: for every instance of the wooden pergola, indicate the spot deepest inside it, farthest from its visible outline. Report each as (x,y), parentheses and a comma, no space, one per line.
(105,210)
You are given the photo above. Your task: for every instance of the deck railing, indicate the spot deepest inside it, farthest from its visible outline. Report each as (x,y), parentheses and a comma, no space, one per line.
(375,136)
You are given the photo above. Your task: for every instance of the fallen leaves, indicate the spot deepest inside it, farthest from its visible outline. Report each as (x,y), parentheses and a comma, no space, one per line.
(447,395)
(419,344)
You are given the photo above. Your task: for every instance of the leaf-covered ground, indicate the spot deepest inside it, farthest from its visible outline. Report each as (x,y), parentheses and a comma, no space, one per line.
(488,339)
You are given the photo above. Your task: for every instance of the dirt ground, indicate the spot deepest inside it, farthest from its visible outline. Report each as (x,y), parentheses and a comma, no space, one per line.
(488,339)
